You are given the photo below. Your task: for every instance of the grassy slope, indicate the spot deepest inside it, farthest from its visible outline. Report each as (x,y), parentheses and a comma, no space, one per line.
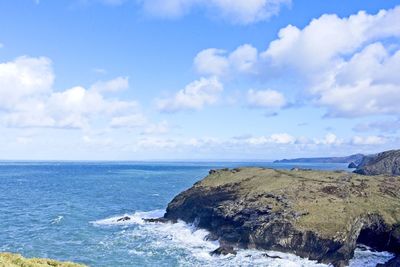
(332,199)
(16,260)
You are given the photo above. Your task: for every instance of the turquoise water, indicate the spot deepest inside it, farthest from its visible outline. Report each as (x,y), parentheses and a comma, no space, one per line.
(68,211)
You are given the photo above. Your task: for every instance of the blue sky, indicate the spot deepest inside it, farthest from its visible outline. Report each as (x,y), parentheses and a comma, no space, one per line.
(196,79)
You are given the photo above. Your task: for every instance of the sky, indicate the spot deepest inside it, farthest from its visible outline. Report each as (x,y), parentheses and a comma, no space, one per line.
(197,79)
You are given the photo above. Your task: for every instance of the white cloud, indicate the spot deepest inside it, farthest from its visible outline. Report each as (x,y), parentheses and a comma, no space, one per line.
(235,11)
(217,62)
(95,141)
(348,65)
(244,58)
(24,77)
(114,85)
(364,85)
(329,139)
(211,61)
(194,96)
(129,121)
(324,40)
(368,140)
(280,138)
(346,62)
(265,99)
(157,143)
(1,45)
(27,98)
(157,128)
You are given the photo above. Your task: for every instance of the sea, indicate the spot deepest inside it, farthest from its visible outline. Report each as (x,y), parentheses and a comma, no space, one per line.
(69,211)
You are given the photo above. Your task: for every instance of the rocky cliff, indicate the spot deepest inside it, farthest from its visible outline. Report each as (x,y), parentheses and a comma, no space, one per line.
(318,215)
(16,260)
(387,162)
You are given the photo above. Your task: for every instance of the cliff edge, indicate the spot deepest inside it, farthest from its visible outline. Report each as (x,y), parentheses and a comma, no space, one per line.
(314,214)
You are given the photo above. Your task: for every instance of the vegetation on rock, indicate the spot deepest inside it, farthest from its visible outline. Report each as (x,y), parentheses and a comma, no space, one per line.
(16,260)
(314,214)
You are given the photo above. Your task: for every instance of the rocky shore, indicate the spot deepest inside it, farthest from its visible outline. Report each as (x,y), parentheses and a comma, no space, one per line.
(313,214)
(387,163)
(16,260)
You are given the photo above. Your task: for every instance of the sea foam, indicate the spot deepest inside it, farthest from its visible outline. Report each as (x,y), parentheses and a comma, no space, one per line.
(189,246)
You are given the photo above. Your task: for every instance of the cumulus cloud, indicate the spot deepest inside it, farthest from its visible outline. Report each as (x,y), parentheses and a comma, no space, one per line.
(329,139)
(348,63)
(194,96)
(218,62)
(24,77)
(324,40)
(265,99)
(27,98)
(235,11)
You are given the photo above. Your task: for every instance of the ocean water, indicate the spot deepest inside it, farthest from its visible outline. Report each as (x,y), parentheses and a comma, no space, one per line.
(69,211)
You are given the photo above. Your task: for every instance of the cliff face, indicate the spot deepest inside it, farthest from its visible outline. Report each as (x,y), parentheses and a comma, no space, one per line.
(319,215)
(383,163)
(16,260)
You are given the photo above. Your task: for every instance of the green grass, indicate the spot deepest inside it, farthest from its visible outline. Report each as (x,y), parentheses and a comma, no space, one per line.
(332,200)
(16,260)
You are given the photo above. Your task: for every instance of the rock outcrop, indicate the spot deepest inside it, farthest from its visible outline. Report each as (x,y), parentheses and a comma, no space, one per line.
(318,215)
(387,163)
(16,260)
(352,165)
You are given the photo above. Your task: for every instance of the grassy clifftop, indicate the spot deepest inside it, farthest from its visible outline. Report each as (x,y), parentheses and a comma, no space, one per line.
(16,260)
(330,201)
(314,214)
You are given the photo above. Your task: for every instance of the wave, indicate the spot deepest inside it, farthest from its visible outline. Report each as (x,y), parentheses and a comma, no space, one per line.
(186,245)
(135,218)
(57,220)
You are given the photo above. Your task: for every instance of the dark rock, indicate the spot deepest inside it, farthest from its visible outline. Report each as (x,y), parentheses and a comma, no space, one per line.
(124,219)
(279,210)
(270,256)
(224,250)
(158,220)
(300,169)
(352,165)
(387,163)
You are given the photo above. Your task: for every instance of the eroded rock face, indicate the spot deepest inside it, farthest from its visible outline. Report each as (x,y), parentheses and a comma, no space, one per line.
(383,163)
(318,215)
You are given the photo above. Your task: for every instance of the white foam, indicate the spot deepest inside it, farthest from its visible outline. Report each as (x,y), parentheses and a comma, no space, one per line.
(188,246)
(366,257)
(136,218)
(57,220)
